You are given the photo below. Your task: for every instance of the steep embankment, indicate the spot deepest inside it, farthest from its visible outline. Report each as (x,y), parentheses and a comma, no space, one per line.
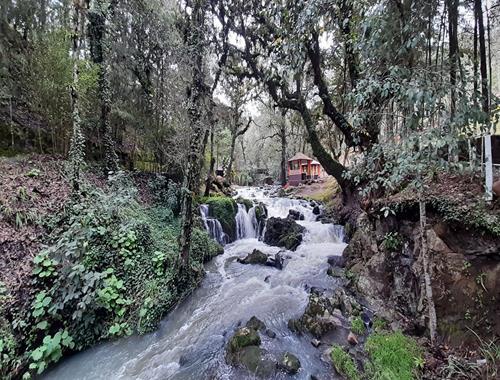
(76,271)
(385,264)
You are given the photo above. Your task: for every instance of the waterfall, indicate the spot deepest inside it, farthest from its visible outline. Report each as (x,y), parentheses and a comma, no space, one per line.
(213,226)
(246,222)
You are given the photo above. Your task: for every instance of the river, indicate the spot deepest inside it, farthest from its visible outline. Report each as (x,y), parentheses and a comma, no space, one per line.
(190,342)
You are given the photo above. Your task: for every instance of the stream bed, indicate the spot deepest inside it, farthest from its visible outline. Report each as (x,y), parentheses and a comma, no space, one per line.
(190,342)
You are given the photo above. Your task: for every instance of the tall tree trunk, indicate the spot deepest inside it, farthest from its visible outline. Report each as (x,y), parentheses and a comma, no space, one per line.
(427,267)
(478,9)
(210,174)
(76,151)
(283,149)
(99,42)
(197,97)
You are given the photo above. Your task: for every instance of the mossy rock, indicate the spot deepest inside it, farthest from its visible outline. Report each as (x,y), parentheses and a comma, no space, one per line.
(243,337)
(289,363)
(247,202)
(224,209)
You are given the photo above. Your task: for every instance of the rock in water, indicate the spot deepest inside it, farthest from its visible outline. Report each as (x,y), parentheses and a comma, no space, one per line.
(316,210)
(283,233)
(243,337)
(256,324)
(289,363)
(256,257)
(295,215)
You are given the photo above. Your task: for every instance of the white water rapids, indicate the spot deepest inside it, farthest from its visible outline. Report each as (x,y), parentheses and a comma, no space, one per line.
(190,343)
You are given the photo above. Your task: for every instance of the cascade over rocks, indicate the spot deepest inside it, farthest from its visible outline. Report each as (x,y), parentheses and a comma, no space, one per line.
(283,233)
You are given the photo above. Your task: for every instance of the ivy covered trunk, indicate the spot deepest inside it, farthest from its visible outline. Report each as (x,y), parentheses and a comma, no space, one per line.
(99,48)
(196,111)
(76,151)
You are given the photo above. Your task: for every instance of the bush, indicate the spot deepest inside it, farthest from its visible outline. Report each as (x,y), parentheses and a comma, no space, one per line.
(393,356)
(344,364)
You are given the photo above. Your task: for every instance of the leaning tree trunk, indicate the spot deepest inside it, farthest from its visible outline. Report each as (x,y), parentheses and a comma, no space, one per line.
(229,174)
(427,266)
(76,151)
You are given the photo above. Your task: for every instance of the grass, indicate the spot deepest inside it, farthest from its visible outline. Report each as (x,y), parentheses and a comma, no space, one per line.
(393,356)
(344,364)
(358,326)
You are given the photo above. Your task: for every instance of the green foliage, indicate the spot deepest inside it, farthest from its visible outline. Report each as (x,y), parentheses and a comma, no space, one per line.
(393,356)
(248,203)
(344,364)
(166,192)
(358,326)
(392,242)
(50,351)
(109,271)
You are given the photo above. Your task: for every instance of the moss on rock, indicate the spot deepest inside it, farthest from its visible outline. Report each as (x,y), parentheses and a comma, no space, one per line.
(224,209)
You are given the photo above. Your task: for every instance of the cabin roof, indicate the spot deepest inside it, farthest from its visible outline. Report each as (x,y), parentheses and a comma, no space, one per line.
(300,156)
(315,163)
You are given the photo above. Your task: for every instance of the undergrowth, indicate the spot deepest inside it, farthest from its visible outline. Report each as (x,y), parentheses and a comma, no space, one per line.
(110,270)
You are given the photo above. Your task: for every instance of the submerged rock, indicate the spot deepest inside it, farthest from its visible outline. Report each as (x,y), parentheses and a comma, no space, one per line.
(283,233)
(289,363)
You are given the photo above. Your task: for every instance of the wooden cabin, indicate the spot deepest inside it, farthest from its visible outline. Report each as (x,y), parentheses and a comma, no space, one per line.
(302,168)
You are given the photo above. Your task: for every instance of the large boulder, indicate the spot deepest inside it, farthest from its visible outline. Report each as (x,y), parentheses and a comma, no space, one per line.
(243,337)
(283,233)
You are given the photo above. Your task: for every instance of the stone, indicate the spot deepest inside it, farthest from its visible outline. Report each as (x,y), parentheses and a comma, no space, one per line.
(352,338)
(335,272)
(283,233)
(295,215)
(243,337)
(315,342)
(289,363)
(256,257)
(251,358)
(256,324)
(336,261)
(270,333)
(316,210)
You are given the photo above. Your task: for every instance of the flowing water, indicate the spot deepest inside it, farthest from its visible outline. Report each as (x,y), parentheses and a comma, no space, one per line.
(190,343)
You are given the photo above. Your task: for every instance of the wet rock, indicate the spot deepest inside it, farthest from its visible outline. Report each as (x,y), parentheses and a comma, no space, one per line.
(317,318)
(336,261)
(243,337)
(315,342)
(347,304)
(295,215)
(271,334)
(283,233)
(256,257)
(256,324)
(366,319)
(276,261)
(289,363)
(352,338)
(316,210)
(335,272)
(251,358)
(267,278)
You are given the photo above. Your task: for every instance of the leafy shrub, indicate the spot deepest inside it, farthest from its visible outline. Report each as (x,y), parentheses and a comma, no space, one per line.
(344,364)
(392,242)
(393,356)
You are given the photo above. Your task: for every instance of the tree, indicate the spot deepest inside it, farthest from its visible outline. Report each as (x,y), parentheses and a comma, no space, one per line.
(76,153)
(99,49)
